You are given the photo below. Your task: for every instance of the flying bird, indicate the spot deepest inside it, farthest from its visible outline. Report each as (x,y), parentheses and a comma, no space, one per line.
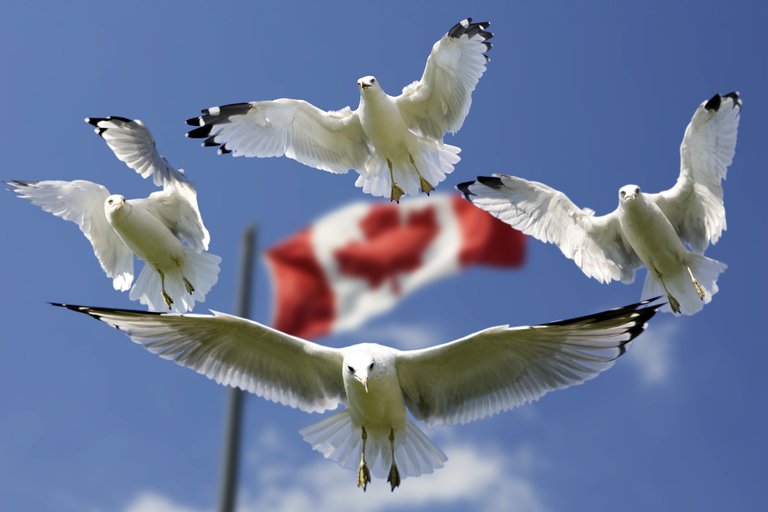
(648,230)
(480,375)
(165,229)
(395,143)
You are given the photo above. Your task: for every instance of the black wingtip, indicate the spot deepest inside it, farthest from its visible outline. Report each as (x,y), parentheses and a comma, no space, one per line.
(193,121)
(464,189)
(490,181)
(713,103)
(735,96)
(466,26)
(201,132)
(20,183)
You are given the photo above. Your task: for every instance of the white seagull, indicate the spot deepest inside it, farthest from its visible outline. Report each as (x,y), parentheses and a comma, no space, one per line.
(646,229)
(395,143)
(480,375)
(165,229)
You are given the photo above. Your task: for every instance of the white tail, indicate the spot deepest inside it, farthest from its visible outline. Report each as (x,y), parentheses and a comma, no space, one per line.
(339,440)
(433,159)
(706,271)
(200,269)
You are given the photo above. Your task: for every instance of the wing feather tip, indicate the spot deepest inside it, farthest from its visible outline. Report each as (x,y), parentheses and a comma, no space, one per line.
(464,189)
(491,181)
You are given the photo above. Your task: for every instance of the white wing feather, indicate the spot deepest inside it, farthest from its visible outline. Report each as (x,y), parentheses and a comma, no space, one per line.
(176,206)
(440,101)
(237,352)
(501,368)
(331,141)
(595,244)
(694,205)
(133,144)
(82,202)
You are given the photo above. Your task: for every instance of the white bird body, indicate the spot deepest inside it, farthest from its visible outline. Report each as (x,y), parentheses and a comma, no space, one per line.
(650,233)
(165,229)
(395,143)
(482,374)
(650,230)
(374,396)
(144,234)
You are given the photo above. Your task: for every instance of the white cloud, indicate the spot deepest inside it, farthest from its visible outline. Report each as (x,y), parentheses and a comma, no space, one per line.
(148,501)
(652,354)
(482,478)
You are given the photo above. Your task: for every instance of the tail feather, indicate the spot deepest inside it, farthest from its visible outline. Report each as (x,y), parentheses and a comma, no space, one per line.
(200,269)
(434,161)
(339,440)
(705,270)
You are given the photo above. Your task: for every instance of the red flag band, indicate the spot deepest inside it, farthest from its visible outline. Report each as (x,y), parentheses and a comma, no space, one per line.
(359,260)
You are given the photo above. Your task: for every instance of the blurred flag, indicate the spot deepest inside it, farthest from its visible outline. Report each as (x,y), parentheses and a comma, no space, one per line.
(357,261)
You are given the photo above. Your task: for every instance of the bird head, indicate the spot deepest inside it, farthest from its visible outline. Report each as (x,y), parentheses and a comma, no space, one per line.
(360,367)
(629,193)
(114,203)
(368,83)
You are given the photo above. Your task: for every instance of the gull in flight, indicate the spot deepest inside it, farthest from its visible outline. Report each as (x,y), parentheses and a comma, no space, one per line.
(646,229)
(165,229)
(395,143)
(480,375)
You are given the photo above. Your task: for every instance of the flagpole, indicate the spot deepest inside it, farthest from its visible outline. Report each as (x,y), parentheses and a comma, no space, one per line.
(230,459)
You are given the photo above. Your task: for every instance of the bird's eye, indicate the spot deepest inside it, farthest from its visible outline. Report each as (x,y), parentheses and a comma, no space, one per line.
(351,370)
(622,193)
(370,366)
(637,190)
(373,80)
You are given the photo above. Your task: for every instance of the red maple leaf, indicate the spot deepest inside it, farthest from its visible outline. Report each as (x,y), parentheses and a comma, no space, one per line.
(391,247)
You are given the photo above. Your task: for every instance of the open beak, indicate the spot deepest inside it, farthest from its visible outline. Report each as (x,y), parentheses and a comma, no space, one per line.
(363,381)
(364,85)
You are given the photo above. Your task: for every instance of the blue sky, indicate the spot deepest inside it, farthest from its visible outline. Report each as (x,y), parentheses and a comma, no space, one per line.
(584,98)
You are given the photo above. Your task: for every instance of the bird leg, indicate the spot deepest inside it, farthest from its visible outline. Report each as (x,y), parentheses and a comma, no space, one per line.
(396,192)
(167,298)
(187,284)
(363,475)
(426,186)
(699,288)
(394,474)
(673,302)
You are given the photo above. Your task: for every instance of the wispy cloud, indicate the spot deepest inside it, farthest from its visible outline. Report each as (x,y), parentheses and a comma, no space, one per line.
(652,354)
(148,501)
(477,477)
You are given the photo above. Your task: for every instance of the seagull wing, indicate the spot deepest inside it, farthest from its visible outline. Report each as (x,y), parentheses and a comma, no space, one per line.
(176,206)
(133,144)
(505,367)
(596,244)
(237,352)
(694,205)
(82,202)
(439,102)
(332,141)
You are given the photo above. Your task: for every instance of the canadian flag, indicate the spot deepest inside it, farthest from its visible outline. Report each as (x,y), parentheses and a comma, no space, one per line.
(359,260)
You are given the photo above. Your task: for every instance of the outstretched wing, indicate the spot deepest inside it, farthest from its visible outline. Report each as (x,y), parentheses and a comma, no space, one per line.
(501,368)
(133,144)
(176,206)
(694,205)
(332,141)
(439,102)
(594,243)
(82,202)
(237,352)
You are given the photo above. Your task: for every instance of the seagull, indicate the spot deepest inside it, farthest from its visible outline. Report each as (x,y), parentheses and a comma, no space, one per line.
(474,377)
(165,229)
(645,229)
(395,143)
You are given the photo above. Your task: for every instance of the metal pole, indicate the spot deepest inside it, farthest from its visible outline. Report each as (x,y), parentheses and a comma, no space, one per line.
(230,460)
